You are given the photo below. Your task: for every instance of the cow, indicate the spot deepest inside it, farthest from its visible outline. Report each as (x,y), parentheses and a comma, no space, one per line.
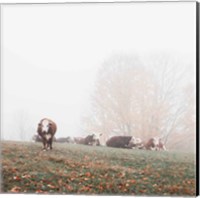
(46,130)
(65,140)
(161,145)
(119,141)
(89,140)
(135,143)
(155,144)
(96,139)
(152,144)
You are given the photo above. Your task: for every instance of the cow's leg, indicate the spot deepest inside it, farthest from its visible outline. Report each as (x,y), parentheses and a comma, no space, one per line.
(164,148)
(98,143)
(50,143)
(44,144)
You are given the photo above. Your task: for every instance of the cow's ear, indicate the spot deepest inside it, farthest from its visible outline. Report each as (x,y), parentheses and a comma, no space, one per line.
(39,124)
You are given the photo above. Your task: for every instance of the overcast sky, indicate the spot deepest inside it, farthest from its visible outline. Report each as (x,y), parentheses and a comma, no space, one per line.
(51,53)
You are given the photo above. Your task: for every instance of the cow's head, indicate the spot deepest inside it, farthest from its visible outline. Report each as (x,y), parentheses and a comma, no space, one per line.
(155,141)
(95,139)
(96,136)
(135,142)
(45,127)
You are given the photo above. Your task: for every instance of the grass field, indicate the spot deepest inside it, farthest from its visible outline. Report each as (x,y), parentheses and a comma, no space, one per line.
(80,169)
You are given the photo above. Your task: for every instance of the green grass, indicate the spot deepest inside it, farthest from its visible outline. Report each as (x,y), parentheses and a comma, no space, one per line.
(80,169)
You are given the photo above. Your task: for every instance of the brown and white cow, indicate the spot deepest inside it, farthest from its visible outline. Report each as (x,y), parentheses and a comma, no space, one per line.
(155,143)
(46,130)
(152,144)
(65,140)
(161,145)
(88,140)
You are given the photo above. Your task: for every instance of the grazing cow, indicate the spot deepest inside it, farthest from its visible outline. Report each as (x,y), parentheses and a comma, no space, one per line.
(65,140)
(46,130)
(88,140)
(119,141)
(135,143)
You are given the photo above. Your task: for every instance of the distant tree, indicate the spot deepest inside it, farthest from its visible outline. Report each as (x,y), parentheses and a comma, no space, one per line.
(140,98)
(185,135)
(124,99)
(23,125)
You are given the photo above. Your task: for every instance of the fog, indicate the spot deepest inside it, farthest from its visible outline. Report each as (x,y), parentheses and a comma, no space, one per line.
(51,55)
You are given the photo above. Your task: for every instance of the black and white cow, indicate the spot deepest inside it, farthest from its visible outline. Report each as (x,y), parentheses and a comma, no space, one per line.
(46,130)
(129,142)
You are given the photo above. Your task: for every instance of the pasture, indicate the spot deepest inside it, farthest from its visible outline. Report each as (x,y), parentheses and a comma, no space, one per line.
(81,169)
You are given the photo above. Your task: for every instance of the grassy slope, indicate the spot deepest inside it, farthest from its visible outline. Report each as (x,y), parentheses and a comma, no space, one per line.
(72,169)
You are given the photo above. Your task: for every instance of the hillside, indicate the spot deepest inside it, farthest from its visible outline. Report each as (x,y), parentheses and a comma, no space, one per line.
(80,169)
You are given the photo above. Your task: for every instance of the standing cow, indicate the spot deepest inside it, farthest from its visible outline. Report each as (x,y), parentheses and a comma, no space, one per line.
(46,130)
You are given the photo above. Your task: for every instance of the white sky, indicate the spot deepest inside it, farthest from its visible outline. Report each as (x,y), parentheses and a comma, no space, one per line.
(50,53)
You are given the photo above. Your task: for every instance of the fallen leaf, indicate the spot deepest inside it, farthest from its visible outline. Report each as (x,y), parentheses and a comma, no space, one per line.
(51,186)
(88,174)
(17,178)
(26,176)
(38,191)
(15,189)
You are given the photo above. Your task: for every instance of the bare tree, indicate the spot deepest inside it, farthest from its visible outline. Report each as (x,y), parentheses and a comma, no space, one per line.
(172,76)
(124,99)
(138,98)
(184,136)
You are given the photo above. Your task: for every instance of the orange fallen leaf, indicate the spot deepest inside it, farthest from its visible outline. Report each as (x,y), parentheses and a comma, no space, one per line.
(51,186)
(17,178)
(132,181)
(88,174)
(15,189)
(38,191)
(26,176)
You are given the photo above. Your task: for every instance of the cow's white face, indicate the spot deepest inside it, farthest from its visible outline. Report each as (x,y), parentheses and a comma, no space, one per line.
(45,126)
(133,140)
(156,141)
(96,136)
(138,141)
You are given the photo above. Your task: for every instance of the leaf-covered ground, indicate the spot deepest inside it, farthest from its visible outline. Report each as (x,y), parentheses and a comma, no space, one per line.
(80,169)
